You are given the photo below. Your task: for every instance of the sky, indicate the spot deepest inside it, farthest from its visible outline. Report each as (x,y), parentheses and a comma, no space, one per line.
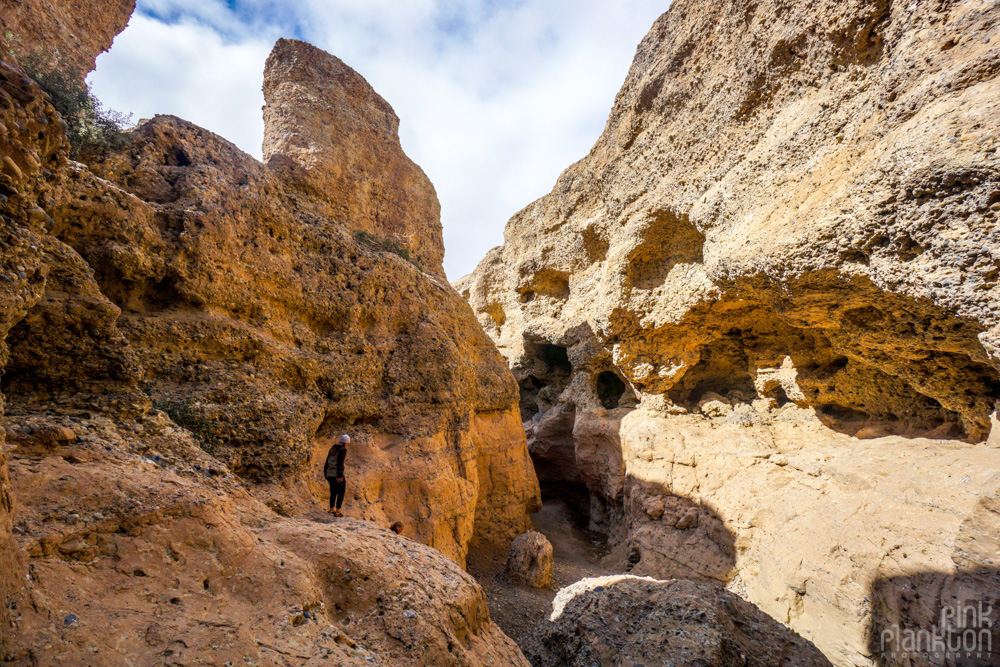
(495,97)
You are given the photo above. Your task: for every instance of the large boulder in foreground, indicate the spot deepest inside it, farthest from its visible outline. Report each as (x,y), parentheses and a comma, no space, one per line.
(627,620)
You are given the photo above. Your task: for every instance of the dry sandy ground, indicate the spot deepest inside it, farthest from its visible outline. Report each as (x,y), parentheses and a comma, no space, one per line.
(577,554)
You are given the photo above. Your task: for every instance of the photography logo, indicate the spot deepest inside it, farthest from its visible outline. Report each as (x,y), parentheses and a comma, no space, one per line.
(964,632)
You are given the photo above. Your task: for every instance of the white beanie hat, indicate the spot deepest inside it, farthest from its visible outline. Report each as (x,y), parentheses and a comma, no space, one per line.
(344,439)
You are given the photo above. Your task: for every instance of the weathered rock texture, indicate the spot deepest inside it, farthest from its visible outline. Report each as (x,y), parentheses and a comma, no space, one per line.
(332,136)
(144,549)
(791,218)
(182,333)
(624,620)
(77,31)
(268,330)
(529,560)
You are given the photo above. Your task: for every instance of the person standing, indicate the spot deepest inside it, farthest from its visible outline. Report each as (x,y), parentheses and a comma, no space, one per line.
(334,472)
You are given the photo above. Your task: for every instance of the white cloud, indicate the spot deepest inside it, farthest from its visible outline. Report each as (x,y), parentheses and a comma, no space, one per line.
(495,97)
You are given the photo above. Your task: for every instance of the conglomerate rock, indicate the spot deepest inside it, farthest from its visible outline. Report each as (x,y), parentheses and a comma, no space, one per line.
(266,328)
(790,225)
(627,620)
(73,32)
(144,549)
(330,135)
(182,335)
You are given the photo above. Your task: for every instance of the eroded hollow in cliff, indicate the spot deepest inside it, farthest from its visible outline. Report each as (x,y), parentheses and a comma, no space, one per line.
(666,240)
(543,374)
(612,391)
(868,362)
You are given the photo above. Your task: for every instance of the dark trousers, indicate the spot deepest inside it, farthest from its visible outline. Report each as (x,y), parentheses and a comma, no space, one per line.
(337,490)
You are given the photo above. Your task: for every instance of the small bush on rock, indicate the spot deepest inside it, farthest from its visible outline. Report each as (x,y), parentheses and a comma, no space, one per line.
(386,245)
(92,128)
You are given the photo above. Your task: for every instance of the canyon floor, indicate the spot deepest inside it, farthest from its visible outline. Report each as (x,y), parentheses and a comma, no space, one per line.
(578,554)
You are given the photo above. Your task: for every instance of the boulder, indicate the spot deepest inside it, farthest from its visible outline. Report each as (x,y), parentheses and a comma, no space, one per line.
(530,560)
(627,620)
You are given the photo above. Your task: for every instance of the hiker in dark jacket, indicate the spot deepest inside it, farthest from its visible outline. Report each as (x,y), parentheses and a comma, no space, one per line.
(334,472)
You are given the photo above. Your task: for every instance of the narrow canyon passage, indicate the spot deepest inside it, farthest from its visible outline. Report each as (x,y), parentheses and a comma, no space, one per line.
(578,553)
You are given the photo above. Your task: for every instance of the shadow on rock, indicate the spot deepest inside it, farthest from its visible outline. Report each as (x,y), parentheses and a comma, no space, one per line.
(673,537)
(936,619)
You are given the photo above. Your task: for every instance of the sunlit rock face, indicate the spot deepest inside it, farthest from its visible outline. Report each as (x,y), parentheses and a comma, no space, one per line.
(330,135)
(182,333)
(783,251)
(70,33)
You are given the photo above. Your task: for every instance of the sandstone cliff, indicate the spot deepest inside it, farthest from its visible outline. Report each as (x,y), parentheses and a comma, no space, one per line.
(783,250)
(183,332)
(263,325)
(77,32)
(331,135)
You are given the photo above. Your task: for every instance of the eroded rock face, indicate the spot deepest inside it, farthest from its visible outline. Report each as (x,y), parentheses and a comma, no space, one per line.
(626,620)
(268,330)
(182,333)
(143,548)
(332,137)
(790,222)
(77,31)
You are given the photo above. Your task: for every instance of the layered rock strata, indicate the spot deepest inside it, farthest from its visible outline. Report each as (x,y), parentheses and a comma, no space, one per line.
(783,251)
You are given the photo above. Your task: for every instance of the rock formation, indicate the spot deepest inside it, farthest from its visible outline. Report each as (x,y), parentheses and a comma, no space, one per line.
(77,32)
(783,252)
(183,332)
(529,560)
(143,548)
(267,329)
(330,135)
(626,620)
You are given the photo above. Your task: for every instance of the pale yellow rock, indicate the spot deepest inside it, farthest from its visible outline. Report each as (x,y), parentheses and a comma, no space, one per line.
(791,208)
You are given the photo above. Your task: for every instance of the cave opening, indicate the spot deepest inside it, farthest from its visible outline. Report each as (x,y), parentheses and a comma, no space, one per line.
(555,358)
(780,395)
(610,389)
(542,377)
(573,497)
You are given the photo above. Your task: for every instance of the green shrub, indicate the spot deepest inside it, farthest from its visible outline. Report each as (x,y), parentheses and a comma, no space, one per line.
(386,245)
(92,128)
(184,414)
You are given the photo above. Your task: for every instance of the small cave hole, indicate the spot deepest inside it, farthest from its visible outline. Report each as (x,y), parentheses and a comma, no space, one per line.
(779,395)
(610,389)
(556,357)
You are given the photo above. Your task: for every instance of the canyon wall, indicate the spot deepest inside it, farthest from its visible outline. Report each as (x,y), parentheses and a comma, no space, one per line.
(74,33)
(185,331)
(755,328)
